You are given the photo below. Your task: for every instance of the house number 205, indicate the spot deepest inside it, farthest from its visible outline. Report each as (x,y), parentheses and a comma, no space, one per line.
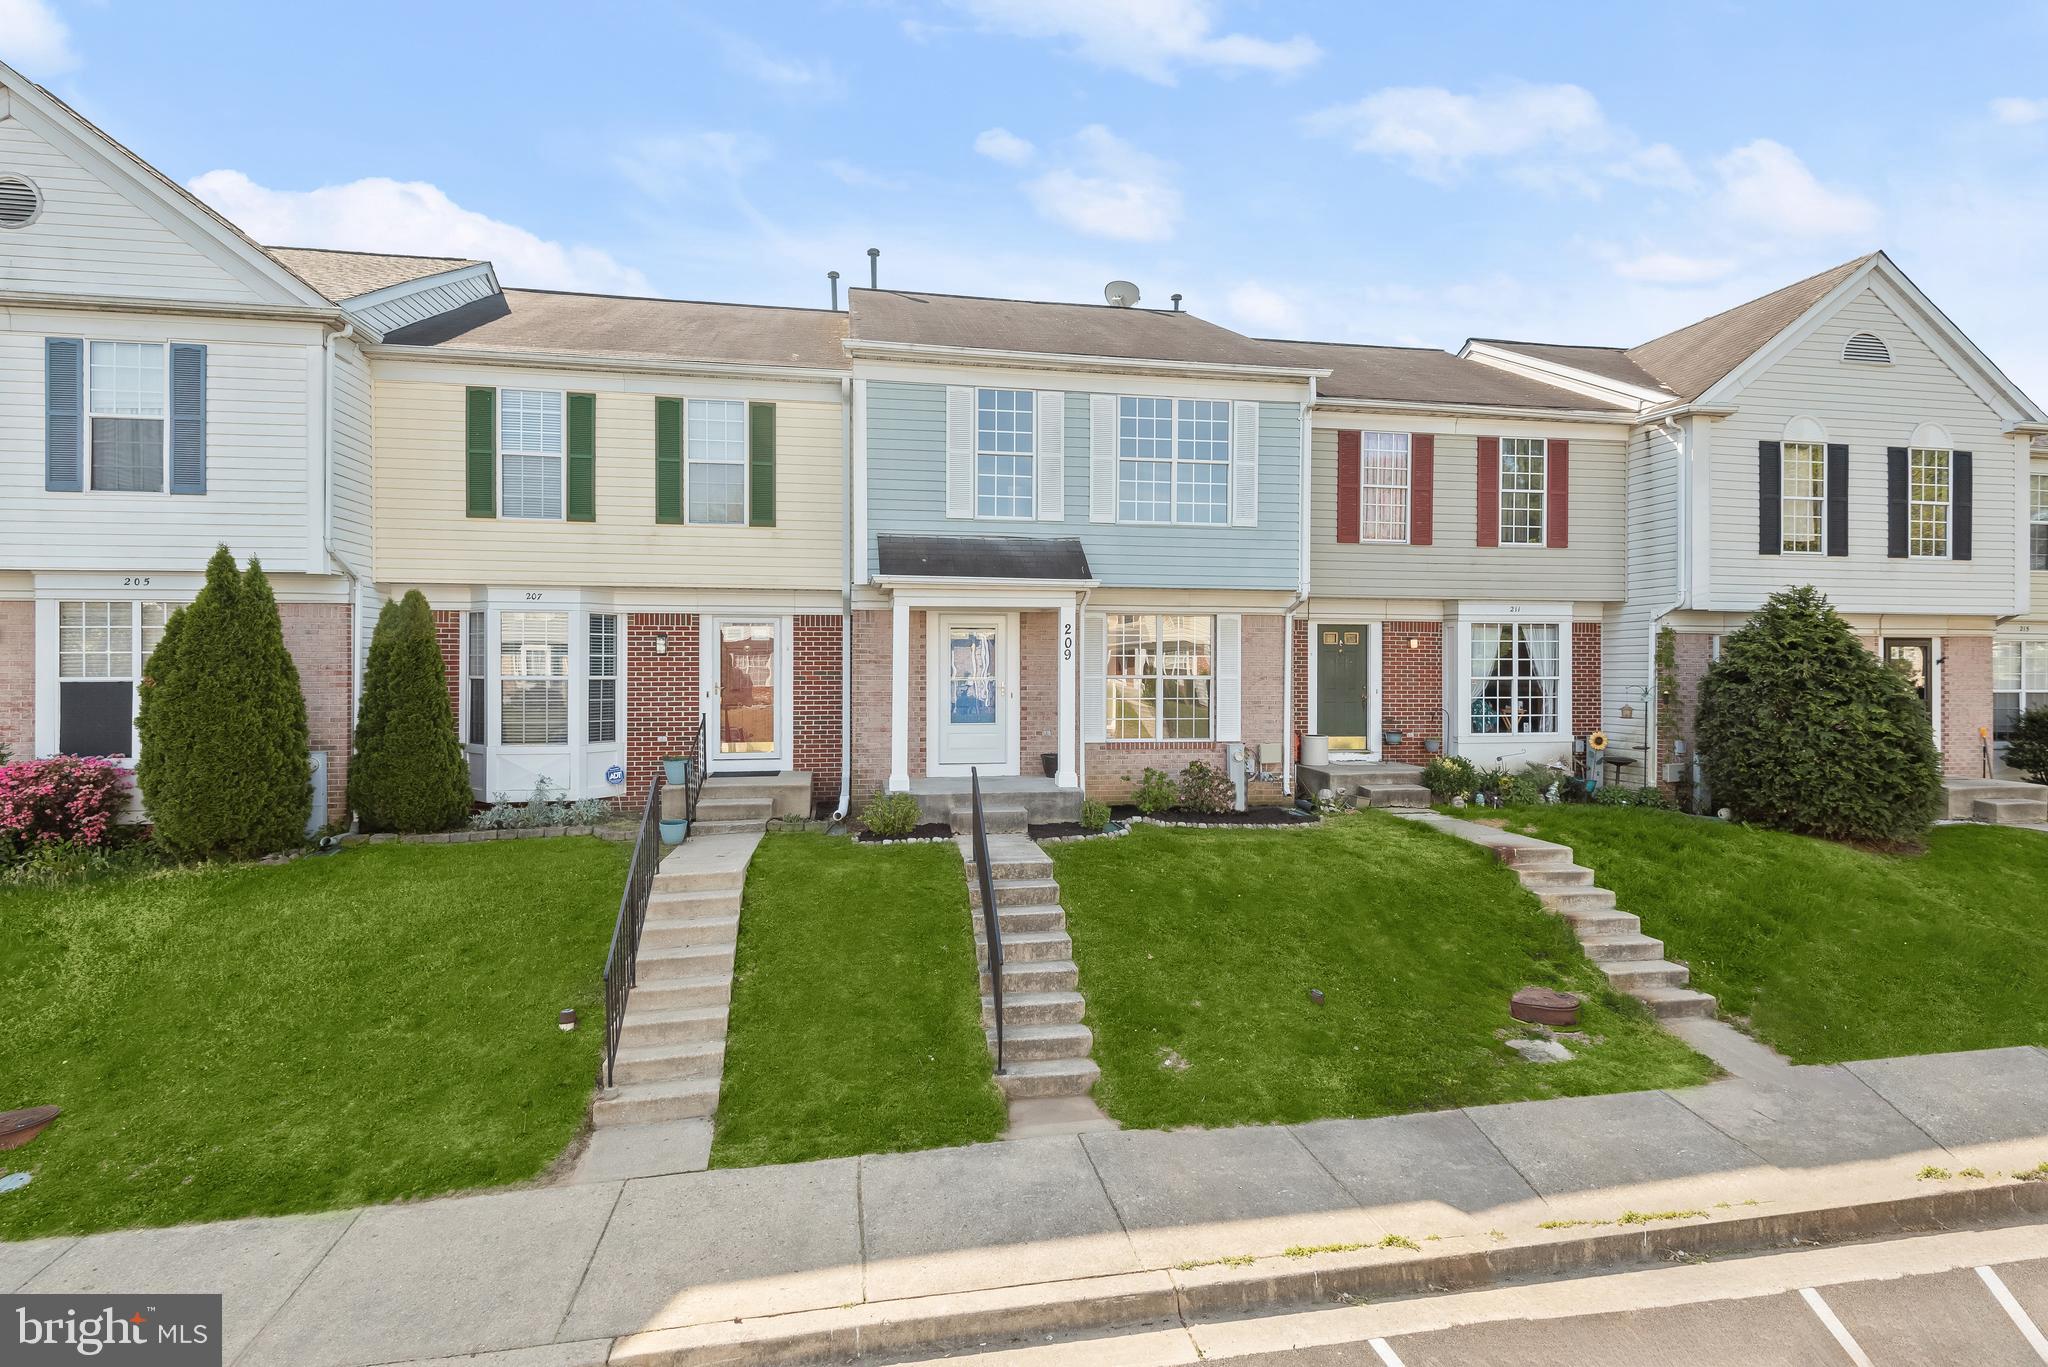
(134,581)
(1066,641)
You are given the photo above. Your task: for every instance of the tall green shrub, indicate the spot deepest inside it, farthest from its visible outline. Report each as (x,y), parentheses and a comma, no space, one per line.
(223,769)
(408,773)
(2028,751)
(1802,728)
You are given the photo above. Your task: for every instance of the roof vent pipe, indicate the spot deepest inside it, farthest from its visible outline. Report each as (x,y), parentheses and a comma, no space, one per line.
(1176,303)
(874,268)
(833,276)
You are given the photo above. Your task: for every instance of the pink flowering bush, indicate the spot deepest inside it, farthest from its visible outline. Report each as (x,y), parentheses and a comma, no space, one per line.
(69,800)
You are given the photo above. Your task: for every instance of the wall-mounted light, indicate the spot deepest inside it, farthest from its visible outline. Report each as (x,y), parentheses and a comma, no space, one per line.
(1414,643)
(661,643)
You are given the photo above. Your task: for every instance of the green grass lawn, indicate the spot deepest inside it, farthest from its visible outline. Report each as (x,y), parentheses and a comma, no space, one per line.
(1832,952)
(1200,947)
(856,1019)
(365,1026)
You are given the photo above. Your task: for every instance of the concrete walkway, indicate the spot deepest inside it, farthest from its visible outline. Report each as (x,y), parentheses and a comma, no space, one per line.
(833,1259)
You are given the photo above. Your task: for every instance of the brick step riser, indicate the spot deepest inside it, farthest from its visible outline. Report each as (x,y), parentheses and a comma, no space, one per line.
(1031,1086)
(1032,1013)
(651,997)
(1030,977)
(668,1070)
(1029,1050)
(649,1033)
(649,1110)
(714,959)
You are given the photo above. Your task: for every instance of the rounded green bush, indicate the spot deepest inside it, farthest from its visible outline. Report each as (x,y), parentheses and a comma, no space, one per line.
(2028,749)
(1095,815)
(890,815)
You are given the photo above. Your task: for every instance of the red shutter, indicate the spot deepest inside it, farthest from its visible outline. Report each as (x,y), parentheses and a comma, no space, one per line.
(1421,489)
(1489,491)
(1557,483)
(1347,487)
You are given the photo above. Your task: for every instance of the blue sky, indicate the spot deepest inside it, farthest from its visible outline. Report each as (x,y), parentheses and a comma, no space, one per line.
(1408,174)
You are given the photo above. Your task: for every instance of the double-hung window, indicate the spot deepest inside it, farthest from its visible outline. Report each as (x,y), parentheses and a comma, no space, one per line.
(1005,444)
(1173,461)
(604,678)
(1159,675)
(717,474)
(1383,500)
(1515,678)
(1522,490)
(1803,496)
(479,664)
(2038,524)
(530,453)
(102,649)
(126,384)
(533,678)
(2019,683)
(1927,503)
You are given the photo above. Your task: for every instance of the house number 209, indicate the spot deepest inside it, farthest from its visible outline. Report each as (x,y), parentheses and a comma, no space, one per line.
(1066,642)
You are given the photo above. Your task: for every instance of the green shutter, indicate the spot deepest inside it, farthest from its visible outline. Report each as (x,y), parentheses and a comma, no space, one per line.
(761,457)
(583,458)
(482,446)
(668,460)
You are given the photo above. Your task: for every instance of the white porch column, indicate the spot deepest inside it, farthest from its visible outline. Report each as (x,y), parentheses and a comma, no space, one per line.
(899,695)
(1069,662)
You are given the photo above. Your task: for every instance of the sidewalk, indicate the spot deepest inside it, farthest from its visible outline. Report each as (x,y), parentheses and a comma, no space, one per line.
(830,1259)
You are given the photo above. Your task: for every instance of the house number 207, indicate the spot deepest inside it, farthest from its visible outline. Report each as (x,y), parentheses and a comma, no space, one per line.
(1066,642)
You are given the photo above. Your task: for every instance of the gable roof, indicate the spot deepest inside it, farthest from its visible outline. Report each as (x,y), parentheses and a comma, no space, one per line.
(1694,359)
(1021,325)
(340,275)
(1607,362)
(1422,375)
(599,325)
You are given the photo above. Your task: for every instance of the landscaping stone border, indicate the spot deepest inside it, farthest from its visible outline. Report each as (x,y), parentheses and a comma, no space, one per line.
(1307,824)
(471,837)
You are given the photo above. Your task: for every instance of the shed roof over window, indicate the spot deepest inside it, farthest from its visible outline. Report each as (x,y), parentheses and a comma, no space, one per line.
(1049,559)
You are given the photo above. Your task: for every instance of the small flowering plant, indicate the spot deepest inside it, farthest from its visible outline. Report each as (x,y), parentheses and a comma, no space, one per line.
(69,800)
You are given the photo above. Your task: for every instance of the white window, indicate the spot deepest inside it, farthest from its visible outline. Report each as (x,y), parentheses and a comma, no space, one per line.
(1005,445)
(126,383)
(2019,683)
(1158,676)
(1927,494)
(530,453)
(1173,461)
(1516,678)
(1803,497)
(717,477)
(2038,523)
(1522,472)
(1383,500)
(533,678)
(478,662)
(604,678)
(102,649)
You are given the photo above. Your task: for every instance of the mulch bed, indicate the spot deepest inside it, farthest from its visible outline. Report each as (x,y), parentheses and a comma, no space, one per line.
(930,830)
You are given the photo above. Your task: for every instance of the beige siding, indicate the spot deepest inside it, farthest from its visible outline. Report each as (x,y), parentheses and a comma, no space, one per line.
(352,489)
(92,238)
(1870,408)
(423,537)
(1455,567)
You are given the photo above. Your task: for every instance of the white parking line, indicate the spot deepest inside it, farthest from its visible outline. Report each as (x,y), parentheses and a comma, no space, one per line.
(1388,1357)
(1835,1327)
(2020,1319)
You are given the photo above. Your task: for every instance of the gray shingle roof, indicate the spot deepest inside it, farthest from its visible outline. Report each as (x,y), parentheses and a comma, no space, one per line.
(1134,334)
(1608,362)
(640,329)
(982,557)
(1420,375)
(345,275)
(1694,359)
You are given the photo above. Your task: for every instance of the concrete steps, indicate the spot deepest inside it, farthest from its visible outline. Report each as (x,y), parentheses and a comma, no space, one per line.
(1017,892)
(645,1103)
(1622,948)
(1033,1078)
(1392,794)
(785,794)
(996,820)
(2009,811)
(1034,1043)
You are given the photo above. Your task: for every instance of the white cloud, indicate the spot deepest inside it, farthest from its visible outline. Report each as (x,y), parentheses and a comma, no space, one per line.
(1764,184)
(2015,110)
(380,215)
(34,40)
(1148,38)
(858,176)
(1262,309)
(665,164)
(1437,132)
(1673,268)
(1109,189)
(1000,144)
(807,75)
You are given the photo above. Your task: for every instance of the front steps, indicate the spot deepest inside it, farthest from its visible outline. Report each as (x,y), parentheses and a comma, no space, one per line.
(730,803)
(672,1046)
(1045,1045)
(1996,801)
(1369,783)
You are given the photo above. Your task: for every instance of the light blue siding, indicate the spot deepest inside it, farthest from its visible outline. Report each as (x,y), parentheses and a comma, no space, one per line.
(906,431)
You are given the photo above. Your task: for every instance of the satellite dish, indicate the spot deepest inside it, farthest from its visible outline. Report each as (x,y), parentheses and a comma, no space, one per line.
(1121,293)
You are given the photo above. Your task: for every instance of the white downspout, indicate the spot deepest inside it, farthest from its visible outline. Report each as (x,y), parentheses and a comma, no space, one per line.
(1651,759)
(1305,493)
(846,620)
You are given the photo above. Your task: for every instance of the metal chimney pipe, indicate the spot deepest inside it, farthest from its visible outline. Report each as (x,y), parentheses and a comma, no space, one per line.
(874,268)
(833,276)
(1176,303)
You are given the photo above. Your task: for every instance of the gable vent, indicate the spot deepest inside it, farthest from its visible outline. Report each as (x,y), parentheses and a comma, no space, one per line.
(20,202)
(1869,348)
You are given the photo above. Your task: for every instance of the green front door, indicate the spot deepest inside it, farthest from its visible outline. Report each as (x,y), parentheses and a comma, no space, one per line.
(1343,678)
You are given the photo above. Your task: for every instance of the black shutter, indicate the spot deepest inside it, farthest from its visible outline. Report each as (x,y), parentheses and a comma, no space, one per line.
(1770,502)
(1895,502)
(1963,510)
(1838,499)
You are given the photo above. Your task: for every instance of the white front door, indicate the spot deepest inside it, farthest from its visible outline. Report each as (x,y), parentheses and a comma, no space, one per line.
(745,677)
(974,694)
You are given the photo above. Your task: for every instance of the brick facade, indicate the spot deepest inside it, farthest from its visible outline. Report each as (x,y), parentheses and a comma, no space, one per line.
(1038,690)
(1115,767)
(1297,661)
(662,701)
(1965,703)
(871,687)
(815,671)
(1586,696)
(18,678)
(318,636)
(448,635)
(1412,689)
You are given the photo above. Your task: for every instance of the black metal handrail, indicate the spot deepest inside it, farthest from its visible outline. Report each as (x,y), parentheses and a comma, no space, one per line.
(620,960)
(694,780)
(991,919)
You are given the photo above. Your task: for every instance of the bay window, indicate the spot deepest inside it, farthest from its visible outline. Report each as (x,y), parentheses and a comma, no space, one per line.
(530,453)
(1173,461)
(1523,481)
(533,678)
(1516,678)
(1159,676)
(1005,444)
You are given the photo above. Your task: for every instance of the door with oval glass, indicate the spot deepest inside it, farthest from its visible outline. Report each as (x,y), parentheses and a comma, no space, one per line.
(974,702)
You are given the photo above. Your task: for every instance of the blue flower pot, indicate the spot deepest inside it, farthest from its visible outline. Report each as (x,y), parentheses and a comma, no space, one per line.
(677,771)
(672,832)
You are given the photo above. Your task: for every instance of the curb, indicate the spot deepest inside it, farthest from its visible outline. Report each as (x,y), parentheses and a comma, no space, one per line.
(1128,1300)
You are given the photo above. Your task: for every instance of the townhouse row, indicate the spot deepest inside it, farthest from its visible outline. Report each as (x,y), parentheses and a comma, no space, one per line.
(885,545)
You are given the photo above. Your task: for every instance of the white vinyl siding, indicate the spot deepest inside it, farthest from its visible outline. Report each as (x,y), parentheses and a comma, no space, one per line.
(1927,503)
(1158,676)
(533,678)
(1173,461)
(1383,467)
(1005,448)
(1804,497)
(530,453)
(1523,480)
(715,448)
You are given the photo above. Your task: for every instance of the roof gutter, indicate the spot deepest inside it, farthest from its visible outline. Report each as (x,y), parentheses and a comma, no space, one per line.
(330,316)
(1337,404)
(922,351)
(597,360)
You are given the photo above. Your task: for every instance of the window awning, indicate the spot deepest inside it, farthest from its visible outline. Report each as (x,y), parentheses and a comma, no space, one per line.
(1011,559)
